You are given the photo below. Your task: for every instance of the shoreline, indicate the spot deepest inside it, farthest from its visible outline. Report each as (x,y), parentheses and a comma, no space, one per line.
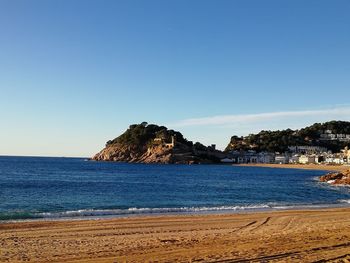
(293,235)
(233,210)
(322,167)
(193,211)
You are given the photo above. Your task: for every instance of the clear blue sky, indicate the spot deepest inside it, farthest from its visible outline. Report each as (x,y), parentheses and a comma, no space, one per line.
(74,74)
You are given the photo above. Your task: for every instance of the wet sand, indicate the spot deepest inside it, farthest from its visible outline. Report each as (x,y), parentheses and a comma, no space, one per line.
(280,236)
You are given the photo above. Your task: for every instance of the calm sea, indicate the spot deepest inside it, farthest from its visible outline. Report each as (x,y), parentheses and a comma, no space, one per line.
(32,187)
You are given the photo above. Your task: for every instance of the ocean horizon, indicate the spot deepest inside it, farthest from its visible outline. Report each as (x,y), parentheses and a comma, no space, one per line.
(34,188)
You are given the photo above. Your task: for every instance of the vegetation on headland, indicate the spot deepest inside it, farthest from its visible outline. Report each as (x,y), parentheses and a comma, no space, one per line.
(150,143)
(278,141)
(143,134)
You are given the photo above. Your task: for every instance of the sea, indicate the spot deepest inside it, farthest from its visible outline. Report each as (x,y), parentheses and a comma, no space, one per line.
(42,188)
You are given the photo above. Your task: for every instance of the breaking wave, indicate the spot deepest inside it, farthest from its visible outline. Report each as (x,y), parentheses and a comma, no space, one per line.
(135,211)
(83,213)
(99,213)
(347,201)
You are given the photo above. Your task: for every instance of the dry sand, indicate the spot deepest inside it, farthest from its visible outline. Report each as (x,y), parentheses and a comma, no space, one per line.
(283,236)
(280,236)
(301,166)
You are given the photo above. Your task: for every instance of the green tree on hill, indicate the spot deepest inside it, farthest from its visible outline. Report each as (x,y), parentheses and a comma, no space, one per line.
(278,141)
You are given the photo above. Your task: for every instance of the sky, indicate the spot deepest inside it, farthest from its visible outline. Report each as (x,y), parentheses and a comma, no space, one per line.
(75,74)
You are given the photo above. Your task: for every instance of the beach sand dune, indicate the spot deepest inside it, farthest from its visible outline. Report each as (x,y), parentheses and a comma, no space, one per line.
(283,236)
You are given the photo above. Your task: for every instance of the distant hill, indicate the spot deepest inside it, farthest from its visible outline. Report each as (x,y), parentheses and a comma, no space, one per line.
(334,135)
(150,143)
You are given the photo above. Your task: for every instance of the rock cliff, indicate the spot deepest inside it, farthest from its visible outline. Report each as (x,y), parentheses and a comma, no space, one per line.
(150,143)
(338,178)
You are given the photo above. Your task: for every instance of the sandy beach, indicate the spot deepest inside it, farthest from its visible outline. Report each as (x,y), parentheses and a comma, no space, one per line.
(282,236)
(321,235)
(322,167)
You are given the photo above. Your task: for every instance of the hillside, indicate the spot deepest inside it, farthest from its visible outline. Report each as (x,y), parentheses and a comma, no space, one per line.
(334,135)
(150,143)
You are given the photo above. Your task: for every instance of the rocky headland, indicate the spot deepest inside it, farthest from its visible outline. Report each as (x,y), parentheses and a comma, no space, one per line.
(150,143)
(337,178)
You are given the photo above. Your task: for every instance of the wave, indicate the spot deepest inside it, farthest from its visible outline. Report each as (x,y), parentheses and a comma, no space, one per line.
(134,210)
(83,213)
(345,201)
(98,213)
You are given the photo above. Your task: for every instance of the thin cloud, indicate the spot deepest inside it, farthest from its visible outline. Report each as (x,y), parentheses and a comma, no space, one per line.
(330,113)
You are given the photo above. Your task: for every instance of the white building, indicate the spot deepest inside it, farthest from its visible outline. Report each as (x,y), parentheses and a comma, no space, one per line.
(306,159)
(294,158)
(307,149)
(281,159)
(265,157)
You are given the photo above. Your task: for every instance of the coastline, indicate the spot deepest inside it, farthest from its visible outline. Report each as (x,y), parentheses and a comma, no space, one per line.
(86,215)
(293,235)
(296,234)
(322,167)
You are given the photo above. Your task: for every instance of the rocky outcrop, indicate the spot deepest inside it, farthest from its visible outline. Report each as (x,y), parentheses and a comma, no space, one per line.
(129,153)
(337,178)
(143,143)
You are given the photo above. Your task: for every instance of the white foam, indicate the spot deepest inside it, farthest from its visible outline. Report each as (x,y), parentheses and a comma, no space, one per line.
(96,213)
(134,210)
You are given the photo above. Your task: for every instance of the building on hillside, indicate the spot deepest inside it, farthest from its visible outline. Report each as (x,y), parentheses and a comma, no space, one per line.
(161,141)
(334,159)
(338,158)
(251,156)
(294,158)
(307,159)
(266,157)
(307,149)
(346,155)
(233,155)
(328,135)
(281,159)
(244,157)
